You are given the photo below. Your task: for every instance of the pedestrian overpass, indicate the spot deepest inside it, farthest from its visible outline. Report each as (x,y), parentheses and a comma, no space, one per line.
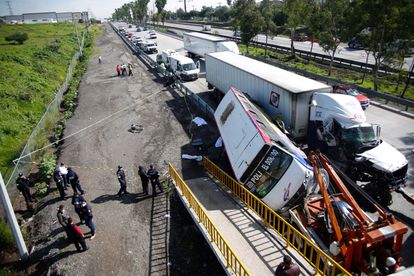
(247,236)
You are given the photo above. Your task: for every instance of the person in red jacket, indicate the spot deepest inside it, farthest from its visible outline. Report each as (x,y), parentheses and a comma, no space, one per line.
(287,268)
(118,70)
(75,235)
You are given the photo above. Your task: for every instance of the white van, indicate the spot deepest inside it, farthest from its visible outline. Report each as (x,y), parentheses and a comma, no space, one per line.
(184,67)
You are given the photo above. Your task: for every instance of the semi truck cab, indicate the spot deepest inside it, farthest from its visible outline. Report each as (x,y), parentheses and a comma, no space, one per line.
(184,67)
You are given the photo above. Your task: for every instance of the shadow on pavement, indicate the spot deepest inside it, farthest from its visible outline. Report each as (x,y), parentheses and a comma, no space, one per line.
(130,198)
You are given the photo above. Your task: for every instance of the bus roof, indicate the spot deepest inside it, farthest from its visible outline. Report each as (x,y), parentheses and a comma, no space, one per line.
(287,80)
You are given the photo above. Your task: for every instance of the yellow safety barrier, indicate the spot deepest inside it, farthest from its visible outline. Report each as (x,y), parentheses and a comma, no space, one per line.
(233,262)
(317,258)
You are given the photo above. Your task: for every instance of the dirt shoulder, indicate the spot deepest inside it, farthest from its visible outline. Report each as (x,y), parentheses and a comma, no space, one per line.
(132,232)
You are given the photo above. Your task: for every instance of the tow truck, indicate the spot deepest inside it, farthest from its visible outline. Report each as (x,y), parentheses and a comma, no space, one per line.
(331,217)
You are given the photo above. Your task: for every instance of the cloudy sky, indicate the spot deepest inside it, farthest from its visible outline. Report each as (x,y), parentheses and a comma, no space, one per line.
(99,8)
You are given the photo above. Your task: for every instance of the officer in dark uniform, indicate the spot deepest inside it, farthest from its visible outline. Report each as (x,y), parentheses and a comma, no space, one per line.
(120,173)
(154,177)
(57,177)
(23,185)
(73,179)
(144,179)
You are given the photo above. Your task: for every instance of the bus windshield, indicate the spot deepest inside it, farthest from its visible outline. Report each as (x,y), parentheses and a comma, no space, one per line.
(272,168)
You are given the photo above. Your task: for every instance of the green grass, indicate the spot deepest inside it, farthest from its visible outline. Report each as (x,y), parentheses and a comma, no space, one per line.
(386,84)
(29,75)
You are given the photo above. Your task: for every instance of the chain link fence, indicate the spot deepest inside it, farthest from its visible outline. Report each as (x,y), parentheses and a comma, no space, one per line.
(38,138)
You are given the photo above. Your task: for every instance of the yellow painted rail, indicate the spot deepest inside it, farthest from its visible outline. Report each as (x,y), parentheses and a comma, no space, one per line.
(233,262)
(317,258)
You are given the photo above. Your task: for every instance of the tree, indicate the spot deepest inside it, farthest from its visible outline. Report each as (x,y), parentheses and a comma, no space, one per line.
(160,4)
(268,10)
(296,11)
(389,22)
(222,13)
(334,27)
(180,13)
(313,22)
(247,12)
(18,37)
(206,12)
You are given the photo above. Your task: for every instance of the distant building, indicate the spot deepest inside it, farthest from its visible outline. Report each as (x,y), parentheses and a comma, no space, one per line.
(45,17)
(64,17)
(42,17)
(13,19)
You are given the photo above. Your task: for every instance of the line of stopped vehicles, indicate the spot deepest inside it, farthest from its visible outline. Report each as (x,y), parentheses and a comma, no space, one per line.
(306,150)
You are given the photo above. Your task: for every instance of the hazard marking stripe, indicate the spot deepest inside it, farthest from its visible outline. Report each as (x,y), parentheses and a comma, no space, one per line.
(387,231)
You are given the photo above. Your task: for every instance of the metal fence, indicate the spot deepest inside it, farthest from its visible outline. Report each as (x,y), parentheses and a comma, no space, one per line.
(232,261)
(37,138)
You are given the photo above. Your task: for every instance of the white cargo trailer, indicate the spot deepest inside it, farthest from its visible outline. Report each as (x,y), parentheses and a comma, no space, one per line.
(281,93)
(200,44)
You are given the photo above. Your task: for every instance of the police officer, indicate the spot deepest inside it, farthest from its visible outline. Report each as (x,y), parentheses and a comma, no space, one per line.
(154,177)
(77,203)
(144,179)
(73,179)
(120,173)
(57,177)
(23,185)
(86,212)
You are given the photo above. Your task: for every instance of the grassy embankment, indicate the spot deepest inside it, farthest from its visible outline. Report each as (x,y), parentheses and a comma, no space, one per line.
(386,84)
(29,76)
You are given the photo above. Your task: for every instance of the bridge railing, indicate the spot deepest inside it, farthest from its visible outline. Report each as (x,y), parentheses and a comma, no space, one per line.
(233,262)
(317,258)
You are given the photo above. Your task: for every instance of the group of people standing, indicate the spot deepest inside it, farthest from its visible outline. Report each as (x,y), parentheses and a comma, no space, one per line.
(151,175)
(73,232)
(62,177)
(122,69)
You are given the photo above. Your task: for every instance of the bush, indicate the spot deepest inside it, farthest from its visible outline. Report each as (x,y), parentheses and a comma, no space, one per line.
(47,167)
(6,236)
(41,189)
(18,37)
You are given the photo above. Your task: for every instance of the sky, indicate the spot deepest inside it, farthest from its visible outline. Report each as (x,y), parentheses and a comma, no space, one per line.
(99,8)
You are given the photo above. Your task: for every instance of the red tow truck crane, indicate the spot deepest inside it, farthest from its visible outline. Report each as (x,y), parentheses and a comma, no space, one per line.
(333,220)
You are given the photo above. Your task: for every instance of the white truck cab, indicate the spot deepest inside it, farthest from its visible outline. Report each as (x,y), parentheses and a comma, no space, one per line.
(149,47)
(184,67)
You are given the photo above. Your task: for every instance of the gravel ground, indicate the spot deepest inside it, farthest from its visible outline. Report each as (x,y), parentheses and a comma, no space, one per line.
(132,232)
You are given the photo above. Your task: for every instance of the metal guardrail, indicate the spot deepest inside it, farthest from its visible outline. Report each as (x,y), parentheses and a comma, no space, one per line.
(233,262)
(317,258)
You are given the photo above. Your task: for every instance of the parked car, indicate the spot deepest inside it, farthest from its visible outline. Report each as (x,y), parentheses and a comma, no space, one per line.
(149,47)
(237,34)
(354,44)
(139,29)
(314,39)
(206,28)
(299,37)
(352,91)
(146,28)
(152,35)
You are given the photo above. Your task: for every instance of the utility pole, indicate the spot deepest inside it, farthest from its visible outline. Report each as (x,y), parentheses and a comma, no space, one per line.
(11,218)
(10,8)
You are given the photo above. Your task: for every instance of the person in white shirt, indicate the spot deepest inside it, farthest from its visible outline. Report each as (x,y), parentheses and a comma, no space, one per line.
(64,171)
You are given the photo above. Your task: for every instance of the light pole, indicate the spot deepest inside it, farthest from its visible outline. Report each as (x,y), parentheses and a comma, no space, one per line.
(11,218)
